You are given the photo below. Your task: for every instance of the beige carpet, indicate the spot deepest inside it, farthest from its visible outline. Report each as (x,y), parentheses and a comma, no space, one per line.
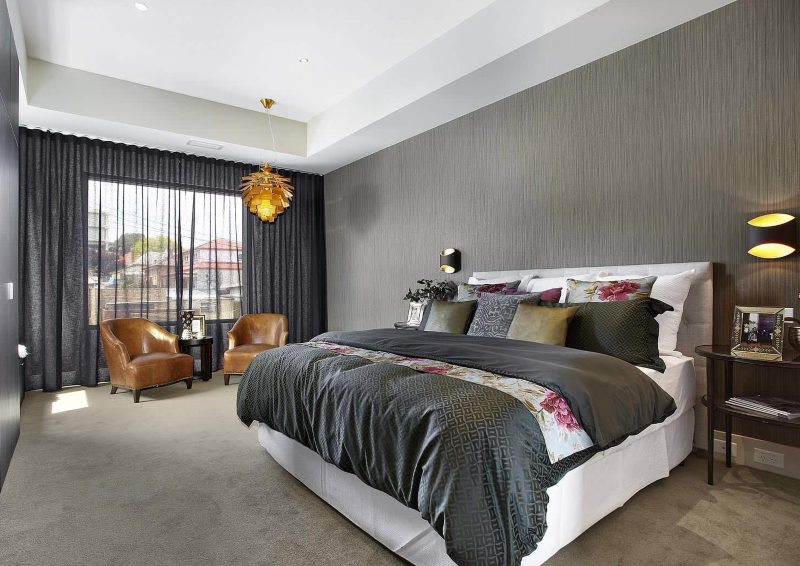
(178,480)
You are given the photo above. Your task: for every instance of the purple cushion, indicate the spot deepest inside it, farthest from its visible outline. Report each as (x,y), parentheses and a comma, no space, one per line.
(551,295)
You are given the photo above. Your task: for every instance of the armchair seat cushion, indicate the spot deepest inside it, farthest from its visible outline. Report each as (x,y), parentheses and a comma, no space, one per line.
(158,368)
(237,359)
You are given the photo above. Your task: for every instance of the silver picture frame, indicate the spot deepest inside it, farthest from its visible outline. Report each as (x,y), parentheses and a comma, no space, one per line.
(415,311)
(758,333)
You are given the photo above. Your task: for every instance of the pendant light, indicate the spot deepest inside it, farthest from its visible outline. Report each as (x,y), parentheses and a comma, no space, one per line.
(266,193)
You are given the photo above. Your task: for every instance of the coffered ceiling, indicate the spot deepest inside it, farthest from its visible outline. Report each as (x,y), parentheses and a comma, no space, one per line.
(377,72)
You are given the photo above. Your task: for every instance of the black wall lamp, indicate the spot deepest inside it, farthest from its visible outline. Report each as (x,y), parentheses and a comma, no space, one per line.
(450,260)
(772,236)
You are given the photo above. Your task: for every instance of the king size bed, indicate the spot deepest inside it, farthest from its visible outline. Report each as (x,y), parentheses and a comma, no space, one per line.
(479,450)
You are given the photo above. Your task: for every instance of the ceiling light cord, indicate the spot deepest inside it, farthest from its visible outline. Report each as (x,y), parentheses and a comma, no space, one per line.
(272,134)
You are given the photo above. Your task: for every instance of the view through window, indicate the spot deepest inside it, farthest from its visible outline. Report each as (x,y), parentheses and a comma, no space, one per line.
(156,250)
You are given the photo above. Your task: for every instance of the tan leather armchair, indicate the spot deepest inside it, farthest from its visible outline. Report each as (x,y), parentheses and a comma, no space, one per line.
(141,355)
(251,335)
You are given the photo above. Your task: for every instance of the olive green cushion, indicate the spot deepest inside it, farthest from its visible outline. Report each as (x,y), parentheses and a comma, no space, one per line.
(449,316)
(544,325)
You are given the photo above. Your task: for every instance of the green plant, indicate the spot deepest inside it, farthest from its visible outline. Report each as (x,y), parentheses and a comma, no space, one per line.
(432,290)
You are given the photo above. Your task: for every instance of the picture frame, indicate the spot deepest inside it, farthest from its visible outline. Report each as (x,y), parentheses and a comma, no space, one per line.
(415,311)
(758,333)
(199,326)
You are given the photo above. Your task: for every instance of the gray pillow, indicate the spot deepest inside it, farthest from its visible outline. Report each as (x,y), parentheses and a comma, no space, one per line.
(449,316)
(495,312)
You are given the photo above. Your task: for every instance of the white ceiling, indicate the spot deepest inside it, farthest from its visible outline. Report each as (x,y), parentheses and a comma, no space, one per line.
(238,51)
(380,71)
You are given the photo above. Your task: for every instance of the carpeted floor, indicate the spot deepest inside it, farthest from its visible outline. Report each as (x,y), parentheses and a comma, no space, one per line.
(178,480)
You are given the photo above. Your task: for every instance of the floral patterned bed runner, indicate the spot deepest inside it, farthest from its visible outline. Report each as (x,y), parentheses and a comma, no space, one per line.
(562,432)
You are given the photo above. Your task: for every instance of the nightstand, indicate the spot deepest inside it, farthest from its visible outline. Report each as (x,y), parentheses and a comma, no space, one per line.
(205,343)
(722,354)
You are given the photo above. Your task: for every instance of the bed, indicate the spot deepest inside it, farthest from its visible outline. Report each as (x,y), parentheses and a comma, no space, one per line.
(575,502)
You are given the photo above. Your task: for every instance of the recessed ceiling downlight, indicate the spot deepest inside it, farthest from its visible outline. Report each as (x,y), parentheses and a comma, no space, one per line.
(139,6)
(303,59)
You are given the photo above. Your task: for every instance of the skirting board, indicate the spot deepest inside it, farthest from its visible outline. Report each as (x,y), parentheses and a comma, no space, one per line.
(744,446)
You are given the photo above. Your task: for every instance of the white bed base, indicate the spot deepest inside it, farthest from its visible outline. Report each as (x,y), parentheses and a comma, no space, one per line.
(582,497)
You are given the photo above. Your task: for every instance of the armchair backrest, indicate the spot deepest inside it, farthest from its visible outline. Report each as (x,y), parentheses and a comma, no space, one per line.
(264,328)
(139,335)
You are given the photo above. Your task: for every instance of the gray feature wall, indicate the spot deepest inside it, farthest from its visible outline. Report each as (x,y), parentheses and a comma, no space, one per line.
(10,390)
(658,153)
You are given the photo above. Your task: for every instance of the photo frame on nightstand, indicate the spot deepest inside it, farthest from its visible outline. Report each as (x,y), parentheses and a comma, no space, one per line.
(758,333)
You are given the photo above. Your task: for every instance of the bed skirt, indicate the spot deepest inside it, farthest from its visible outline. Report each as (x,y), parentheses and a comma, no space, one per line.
(582,497)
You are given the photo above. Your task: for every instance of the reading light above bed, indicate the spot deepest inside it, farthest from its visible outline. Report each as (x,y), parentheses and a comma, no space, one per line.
(450,260)
(772,236)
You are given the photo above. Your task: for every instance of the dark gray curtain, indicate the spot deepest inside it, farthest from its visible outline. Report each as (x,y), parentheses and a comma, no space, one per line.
(284,262)
(57,263)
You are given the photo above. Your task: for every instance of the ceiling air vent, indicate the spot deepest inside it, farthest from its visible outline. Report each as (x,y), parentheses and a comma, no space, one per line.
(205,145)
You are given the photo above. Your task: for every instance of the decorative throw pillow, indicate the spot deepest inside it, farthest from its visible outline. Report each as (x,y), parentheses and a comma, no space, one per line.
(673,290)
(495,313)
(544,325)
(624,329)
(551,295)
(470,292)
(449,316)
(608,291)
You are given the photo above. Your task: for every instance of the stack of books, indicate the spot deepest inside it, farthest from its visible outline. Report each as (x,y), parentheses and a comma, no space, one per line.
(771,406)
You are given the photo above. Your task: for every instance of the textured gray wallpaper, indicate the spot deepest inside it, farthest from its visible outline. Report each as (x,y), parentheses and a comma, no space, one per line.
(658,153)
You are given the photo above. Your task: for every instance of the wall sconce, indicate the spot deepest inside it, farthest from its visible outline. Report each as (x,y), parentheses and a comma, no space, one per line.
(450,260)
(772,236)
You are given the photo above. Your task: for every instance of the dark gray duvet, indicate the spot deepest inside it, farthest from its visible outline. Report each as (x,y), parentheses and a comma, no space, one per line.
(470,458)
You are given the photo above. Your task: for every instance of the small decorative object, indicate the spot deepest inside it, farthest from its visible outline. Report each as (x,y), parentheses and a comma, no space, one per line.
(792,332)
(758,333)
(415,311)
(772,236)
(199,326)
(430,291)
(266,193)
(450,260)
(187,317)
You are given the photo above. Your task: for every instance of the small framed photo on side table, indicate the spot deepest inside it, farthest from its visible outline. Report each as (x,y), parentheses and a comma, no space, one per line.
(758,333)
(199,326)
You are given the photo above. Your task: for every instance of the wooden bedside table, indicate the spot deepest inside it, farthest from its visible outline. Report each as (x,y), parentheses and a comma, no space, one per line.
(722,354)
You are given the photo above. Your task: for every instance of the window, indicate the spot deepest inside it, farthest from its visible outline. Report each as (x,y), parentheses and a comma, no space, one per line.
(156,250)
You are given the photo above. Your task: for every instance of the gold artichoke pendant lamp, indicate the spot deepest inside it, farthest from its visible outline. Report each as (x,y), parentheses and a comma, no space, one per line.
(266,193)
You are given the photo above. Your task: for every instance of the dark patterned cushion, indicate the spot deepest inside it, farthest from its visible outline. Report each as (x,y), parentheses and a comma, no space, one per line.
(624,329)
(495,313)
(608,291)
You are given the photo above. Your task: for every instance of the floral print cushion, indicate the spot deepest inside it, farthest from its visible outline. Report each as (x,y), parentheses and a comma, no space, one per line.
(563,434)
(608,291)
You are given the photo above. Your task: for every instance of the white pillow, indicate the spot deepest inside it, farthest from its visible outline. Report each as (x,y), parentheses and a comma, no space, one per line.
(673,290)
(476,281)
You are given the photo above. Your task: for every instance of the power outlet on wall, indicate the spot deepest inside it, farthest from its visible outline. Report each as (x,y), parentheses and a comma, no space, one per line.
(788,312)
(768,458)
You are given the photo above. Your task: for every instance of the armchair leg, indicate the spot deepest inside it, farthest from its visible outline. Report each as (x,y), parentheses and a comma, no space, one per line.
(189,381)
(227,378)
(113,389)
(136,393)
